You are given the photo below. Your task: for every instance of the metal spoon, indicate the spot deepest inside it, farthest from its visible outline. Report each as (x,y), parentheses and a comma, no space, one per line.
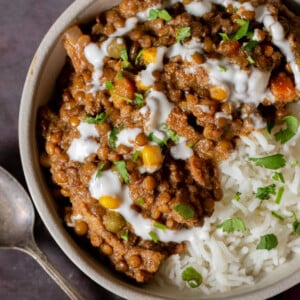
(17,220)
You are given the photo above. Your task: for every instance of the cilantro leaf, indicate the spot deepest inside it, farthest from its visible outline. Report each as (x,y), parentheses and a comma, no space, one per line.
(237,196)
(277,216)
(249,47)
(138,57)
(296,224)
(270,125)
(272,162)
(231,225)
(251,61)
(171,133)
(224,36)
(113,138)
(153,236)
(182,33)
(109,85)
(155,139)
(121,168)
(278,177)
(279,195)
(100,169)
(125,59)
(192,277)
(264,193)
(159,13)
(136,155)
(125,236)
(185,211)
(141,201)
(139,100)
(121,97)
(98,119)
(160,226)
(285,135)
(267,242)
(242,32)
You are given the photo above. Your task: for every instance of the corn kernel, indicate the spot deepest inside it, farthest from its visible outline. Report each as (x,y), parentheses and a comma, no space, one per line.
(141,86)
(149,56)
(110,202)
(218,93)
(152,156)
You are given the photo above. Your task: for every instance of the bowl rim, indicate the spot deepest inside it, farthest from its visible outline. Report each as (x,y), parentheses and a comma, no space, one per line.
(34,180)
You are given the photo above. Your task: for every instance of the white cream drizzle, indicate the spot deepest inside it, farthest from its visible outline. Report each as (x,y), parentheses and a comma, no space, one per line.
(181,150)
(127,136)
(129,25)
(82,147)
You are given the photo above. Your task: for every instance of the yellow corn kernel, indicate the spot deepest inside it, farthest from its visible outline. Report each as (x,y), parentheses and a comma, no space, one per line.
(218,93)
(110,202)
(151,156)
(149,56)
(141,86)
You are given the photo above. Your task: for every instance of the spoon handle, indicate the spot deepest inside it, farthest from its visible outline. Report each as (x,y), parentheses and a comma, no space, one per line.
(32,249)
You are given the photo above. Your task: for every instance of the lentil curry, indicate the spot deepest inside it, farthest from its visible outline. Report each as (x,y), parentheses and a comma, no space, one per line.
(153,95)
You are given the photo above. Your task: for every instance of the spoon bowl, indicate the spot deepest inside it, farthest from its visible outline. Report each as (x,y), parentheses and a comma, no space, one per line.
(17,221)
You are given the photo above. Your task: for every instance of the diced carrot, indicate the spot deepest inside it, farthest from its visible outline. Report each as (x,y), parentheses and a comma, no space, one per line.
(283,87)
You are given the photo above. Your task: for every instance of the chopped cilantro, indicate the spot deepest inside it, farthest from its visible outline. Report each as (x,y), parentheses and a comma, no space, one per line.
(222,68)
(182,33)
(138,57)
(272,162)
(267,242)
(98,119)
(160,226)
(121,97)
(109,85)
(171,133)
(279,195)
(270,125)
(121,167)
(224,36)
(139,100)
(264,193)
(242,32)
(249,47)
(277,216)
(231,225)
(285,135)
(113,137)
(153,236)
(296,224)
(153,138)
(251,61)
(278,177)
(141,201)
(159,13)
(185,211)
(192,277)
(125,236)
(294,163)
(136,155)
(124,58)
(237,196)
(100,169)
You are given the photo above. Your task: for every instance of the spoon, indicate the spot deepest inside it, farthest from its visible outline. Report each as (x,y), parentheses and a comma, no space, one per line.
(17,221)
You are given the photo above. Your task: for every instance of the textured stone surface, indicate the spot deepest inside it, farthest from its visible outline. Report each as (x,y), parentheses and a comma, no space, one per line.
(22,26)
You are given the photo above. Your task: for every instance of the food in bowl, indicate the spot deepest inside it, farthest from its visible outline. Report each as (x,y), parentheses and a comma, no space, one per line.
(174,133)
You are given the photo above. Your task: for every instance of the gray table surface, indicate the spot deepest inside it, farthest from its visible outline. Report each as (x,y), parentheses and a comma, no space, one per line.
(22,26)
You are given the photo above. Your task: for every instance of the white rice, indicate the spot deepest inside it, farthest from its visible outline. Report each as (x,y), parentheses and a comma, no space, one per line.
(230,260)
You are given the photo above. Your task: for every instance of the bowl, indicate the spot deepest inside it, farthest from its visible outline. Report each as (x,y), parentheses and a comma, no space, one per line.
(39,85)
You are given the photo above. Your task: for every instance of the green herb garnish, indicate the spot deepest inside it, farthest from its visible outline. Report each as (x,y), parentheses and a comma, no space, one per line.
(222,68)
(141,201)
(171,133)
(109,85)
(251,61)
(136,155)
(270,125)
(121,97)
(182,33)
(100,169)
(185,211)
(138,57)
(277,216)
(296,224)
(98,119)
(139,100)
(285,135)
(159,13)
(125,236)
(279,195)
(242,32)
(224,36)
(192,277)
(160,226)
(294,163)
(121,168)
(278,177)
(272,162)
(237,196)
(160,142)
(124,58)
(249,47)
(113,137)
(264,193)
(153,236)
(267,242)
(231,225)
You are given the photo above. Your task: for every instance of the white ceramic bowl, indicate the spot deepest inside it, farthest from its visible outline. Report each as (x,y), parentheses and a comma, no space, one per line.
(38,88)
